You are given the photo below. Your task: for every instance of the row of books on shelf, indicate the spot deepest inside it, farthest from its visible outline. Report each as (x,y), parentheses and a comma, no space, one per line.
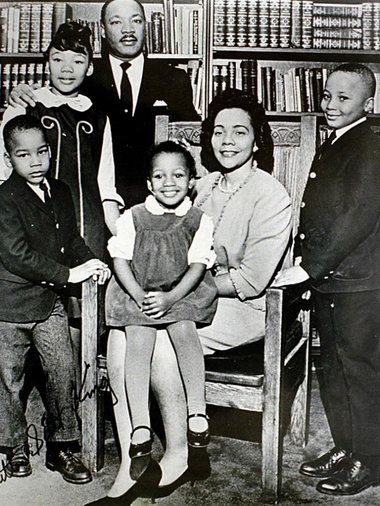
(298,89)
(296,24)
(21,73)
(38,74)
(28,27)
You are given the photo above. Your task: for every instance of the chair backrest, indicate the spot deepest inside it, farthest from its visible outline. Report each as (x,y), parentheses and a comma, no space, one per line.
(294,149)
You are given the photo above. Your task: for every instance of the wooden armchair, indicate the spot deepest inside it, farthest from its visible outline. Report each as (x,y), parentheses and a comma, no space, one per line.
(263,385)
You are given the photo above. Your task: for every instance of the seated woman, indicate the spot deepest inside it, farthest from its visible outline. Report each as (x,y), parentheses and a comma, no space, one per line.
(251,213)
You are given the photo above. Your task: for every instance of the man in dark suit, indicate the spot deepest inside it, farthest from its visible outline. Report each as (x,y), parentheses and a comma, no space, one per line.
(340,245)
(41,251)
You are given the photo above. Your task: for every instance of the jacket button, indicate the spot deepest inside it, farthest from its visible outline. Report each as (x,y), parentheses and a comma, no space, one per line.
(303,204)
(43,283)
(62,249)
(331,272)
(51,284)
(302,237)
(325,277)
(312,175)
(57,225)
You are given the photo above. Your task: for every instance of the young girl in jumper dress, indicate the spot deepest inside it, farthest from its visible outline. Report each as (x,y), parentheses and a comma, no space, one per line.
(161,253)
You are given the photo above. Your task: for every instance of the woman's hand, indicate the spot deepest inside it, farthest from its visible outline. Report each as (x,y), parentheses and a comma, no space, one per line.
(291,276)
(156,304)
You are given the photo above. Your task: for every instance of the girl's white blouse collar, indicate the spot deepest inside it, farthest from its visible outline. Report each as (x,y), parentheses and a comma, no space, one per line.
(155,207)
(49,99)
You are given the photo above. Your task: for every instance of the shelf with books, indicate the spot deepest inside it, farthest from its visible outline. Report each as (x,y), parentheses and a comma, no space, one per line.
(26,29)
(272,48)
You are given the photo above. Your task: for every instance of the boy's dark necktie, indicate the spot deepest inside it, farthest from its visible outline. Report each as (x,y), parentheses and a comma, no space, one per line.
(47,198)
(126,89)
(328,142)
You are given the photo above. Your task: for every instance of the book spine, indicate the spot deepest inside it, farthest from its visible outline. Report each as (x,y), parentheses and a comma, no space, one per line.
(320,43)
(242,23)
(22,73)
(263,13)
(231,23)
(9,32)
(252,69)
(24,28)
(35,28)
(16,29)
(14,75)
(219,23)
(285,22)
(334,9)
(335,22)
(5,84)
(245,75)
(296,31)
(307,24)
(376,27)
(59,15)
(3,29)
(231,75)
(195,41)
(367,20)
(157,32)
(253,23)
(274,23)
(216,79)
(339,33)
(46,25)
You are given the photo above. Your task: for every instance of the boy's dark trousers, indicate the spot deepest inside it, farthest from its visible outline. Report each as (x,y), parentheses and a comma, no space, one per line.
(52,341)
(349,330)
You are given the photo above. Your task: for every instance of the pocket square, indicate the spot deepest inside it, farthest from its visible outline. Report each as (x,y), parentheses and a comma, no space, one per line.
(160,103)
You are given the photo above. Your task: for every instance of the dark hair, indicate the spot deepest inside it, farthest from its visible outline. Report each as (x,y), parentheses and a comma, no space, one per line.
(170,147)
(106,4)
(22,123)
(366,75)
(231,99)
(72,36)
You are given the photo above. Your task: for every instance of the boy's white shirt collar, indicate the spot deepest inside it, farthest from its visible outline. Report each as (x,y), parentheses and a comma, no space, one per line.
(341,131)
(37,190)
(152,206)
(50,99)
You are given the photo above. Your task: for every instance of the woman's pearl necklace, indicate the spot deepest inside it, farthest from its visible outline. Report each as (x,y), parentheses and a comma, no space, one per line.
(225,190)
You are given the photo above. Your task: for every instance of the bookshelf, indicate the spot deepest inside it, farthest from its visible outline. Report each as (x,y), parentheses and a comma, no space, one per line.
(283,50)
(175,33)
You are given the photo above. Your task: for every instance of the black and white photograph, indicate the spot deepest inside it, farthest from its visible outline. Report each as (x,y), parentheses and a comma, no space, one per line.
(190,252)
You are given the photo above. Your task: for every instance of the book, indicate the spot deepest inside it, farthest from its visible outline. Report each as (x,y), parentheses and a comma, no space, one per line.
(35,28)
(252,23)
(263,15)
(24,37)
(338,33)
(157,32)
(230,23)
(367,18)
(307,24)
(3,29)
(376,27)
(242,22)
(219,23)
(59,15)
(285,22)
(296,27)
(47,10)
(15,28)
(5,84)
(274,23)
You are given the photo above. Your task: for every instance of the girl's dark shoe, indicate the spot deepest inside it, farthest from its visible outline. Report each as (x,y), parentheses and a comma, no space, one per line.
(198,439)
(141,454)
(146,486)
(167,490)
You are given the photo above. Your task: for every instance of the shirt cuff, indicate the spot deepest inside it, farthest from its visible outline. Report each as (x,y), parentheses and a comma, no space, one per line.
(235,279)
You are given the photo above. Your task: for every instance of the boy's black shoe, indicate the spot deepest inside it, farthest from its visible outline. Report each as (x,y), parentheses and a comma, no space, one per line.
(355,478)
(18,463)
(71,467)
(326,465)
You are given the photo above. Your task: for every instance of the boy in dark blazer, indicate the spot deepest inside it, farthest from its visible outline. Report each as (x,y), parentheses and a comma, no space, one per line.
(41,252)
(340,245)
